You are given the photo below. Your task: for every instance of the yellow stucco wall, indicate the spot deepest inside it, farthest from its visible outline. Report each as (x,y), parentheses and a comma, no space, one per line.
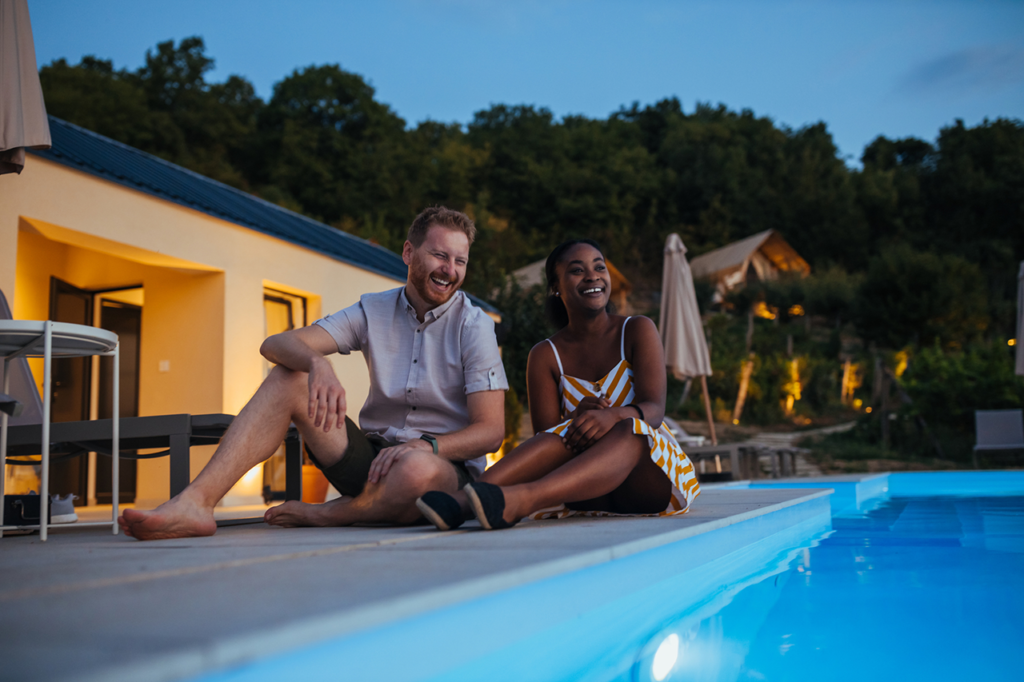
(203,280)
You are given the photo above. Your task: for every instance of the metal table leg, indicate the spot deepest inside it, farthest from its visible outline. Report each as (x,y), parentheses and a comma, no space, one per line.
(44,487)
(3,445)
(116,436)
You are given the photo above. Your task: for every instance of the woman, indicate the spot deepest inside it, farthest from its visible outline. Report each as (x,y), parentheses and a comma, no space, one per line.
(597,400)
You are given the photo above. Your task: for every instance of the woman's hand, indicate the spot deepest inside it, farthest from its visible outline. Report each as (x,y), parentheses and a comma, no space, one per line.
(589,427)
(589,403)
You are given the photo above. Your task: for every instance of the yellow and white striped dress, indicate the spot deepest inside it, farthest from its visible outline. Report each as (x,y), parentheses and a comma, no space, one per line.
(617,388)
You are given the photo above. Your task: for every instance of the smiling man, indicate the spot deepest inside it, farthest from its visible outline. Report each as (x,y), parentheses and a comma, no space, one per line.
(435,406)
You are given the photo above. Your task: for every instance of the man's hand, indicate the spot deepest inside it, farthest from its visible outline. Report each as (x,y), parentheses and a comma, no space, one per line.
(589,427)
(326,396)
(387,457)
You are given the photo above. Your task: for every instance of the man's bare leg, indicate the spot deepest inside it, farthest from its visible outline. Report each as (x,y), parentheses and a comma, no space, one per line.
(391,500)
(255,435)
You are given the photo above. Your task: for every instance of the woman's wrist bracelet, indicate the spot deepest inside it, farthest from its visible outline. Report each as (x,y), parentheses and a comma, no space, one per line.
(637,408)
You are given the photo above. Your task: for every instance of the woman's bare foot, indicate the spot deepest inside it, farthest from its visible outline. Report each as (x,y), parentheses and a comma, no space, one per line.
(293,514)
(463,500)
(516,504)
(176,518)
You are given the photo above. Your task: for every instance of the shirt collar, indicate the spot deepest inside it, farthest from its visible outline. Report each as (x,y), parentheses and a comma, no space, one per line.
(433,313)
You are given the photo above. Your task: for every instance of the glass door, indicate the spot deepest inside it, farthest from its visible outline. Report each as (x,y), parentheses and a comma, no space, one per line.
(71,386)
(125,320)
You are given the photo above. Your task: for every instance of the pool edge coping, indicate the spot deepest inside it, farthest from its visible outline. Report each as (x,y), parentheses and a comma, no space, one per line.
(311,630)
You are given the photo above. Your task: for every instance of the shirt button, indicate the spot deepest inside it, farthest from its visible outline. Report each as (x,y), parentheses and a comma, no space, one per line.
(418,331)
(415,361)
(414,407)
(410,390)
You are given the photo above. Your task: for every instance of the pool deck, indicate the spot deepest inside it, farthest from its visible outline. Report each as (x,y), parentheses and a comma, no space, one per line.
(90,605)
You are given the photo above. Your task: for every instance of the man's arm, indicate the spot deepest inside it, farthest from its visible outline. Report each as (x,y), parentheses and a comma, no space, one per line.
(484,434)
(303,350)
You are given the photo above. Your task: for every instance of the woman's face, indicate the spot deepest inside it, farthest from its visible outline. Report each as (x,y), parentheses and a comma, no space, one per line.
(583,280)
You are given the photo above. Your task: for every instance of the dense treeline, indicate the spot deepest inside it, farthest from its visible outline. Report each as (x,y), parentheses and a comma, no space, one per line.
(324,146)
(918,247)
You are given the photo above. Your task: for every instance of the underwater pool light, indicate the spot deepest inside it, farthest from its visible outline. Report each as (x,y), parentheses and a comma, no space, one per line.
(665,657)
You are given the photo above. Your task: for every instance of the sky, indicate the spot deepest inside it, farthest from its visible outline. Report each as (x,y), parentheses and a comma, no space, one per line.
(896,68)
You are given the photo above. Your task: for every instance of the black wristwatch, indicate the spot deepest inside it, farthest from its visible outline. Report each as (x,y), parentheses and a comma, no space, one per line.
(430,439)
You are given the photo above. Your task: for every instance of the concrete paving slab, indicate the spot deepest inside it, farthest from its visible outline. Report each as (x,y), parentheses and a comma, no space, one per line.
(87,603)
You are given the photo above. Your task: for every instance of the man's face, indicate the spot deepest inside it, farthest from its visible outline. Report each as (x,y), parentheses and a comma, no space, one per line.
(437,267)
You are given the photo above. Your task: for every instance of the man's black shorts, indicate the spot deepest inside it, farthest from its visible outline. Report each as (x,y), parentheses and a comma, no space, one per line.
(349,474)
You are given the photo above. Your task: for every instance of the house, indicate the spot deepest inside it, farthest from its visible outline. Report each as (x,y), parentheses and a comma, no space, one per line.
(533,274)
(763,256)
(191,273)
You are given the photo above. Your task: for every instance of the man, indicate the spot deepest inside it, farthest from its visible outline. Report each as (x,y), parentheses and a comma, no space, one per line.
(435,406)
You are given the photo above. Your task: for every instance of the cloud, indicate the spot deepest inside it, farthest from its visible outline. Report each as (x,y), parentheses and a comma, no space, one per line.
(976,69)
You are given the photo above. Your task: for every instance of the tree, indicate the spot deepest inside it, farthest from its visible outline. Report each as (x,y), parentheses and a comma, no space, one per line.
(918,297)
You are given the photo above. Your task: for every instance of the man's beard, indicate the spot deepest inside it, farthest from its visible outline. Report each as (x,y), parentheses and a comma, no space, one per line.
(419,276)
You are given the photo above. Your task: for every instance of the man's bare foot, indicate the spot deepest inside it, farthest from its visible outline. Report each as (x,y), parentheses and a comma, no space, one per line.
(176,518)
(294,514)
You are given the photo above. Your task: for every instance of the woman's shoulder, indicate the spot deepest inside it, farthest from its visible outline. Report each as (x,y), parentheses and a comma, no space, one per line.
(543,349)
(635,322)
(640,327)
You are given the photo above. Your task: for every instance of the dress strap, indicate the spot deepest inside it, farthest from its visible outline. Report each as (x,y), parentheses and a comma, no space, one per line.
(561,372)
(622,341)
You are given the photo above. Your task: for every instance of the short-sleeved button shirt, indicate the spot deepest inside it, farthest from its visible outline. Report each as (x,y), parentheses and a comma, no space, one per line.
(420,372)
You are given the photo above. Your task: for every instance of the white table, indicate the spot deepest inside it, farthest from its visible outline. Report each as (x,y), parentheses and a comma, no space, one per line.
(48,340)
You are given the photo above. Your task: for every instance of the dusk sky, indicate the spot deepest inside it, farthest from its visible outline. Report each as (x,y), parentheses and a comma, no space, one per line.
(894,68)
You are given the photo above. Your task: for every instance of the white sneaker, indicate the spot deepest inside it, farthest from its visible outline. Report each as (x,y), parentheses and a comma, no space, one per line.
(62,509)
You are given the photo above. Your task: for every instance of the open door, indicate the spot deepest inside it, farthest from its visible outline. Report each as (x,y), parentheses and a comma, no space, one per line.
(125,320)
(71,386)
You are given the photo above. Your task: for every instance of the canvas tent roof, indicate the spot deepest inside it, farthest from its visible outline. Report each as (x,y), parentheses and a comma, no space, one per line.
(737,254)
(103,157)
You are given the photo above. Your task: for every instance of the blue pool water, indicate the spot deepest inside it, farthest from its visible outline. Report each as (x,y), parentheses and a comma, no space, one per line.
(918,587)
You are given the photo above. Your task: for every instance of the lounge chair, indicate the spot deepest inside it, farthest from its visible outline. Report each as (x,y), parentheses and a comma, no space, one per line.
(998,430)
(176,432)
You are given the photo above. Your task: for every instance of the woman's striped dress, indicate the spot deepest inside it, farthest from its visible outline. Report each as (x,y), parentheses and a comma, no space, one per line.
(617,388)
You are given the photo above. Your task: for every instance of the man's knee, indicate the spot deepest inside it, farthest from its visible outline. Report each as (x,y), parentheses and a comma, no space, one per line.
(289,379)
(418,473)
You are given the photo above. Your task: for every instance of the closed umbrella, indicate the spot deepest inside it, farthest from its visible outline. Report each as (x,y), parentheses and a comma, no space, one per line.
(1020,320)
(682,333)
(23,123)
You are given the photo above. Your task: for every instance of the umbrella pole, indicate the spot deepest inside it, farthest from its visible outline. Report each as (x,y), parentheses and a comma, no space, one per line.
(707,408)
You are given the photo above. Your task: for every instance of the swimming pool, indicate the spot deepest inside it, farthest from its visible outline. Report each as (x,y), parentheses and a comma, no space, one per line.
(915,585)
(911,576)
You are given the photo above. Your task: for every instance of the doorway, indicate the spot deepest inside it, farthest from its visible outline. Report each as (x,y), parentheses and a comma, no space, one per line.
(83,387)
(125,320)
(72,386)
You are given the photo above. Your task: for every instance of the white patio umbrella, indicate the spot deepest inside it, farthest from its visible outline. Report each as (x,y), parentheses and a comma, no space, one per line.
(1020,320)
(23,123)
(682,333)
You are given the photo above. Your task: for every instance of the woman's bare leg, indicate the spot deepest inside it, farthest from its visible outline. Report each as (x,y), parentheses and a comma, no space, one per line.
(600,470)
(533,459)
